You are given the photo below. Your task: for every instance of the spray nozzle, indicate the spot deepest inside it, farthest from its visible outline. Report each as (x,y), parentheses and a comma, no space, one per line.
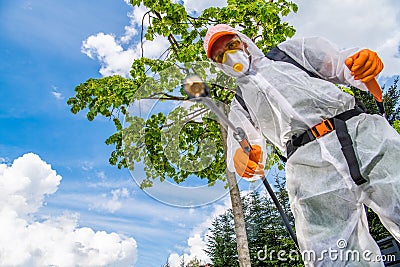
(195,87)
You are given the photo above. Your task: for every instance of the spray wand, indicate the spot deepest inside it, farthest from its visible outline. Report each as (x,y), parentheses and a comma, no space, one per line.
(198,91)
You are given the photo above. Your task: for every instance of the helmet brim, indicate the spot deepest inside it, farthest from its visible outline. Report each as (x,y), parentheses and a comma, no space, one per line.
(215,37)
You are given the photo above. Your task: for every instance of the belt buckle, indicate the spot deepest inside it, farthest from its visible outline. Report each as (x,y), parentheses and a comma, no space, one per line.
(322,128)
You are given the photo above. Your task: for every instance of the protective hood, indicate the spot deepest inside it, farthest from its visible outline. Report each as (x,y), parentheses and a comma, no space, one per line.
(253,50)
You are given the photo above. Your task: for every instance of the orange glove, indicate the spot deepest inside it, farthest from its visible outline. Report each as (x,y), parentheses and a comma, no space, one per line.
(364,65)
(371,84)
(248,165)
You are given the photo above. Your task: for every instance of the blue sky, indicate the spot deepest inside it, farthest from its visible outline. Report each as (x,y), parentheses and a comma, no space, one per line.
(42,62)
(44,50)
(40,51)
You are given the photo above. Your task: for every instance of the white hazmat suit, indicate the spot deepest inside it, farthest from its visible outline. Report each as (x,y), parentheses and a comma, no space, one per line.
(283,101)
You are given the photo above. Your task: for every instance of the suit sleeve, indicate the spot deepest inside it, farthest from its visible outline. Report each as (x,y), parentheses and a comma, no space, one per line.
(240,118)
(323,58)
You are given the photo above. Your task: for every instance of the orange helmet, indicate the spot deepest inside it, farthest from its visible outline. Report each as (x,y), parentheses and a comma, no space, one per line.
(214,33)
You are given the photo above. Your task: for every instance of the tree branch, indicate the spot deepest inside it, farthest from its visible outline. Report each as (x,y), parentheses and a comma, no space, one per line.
(255,38)
(171,38)
(258,29)
(141,33)
(223,87)
(210,20)
(159,58)
(170,98)
(166,94)
(203,110)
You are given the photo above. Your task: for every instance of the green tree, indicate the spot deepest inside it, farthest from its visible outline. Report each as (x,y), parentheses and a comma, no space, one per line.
(257,215)
(266,232)
(193,263)
(391,99)
(396,126)
(166,264)
(182,263)
(221,245)
(161,79)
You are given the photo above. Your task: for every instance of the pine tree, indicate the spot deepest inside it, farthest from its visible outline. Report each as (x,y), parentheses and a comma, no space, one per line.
(391,99)
(182,263)
(266,233)
(221,246)
(256,216)
(194,263)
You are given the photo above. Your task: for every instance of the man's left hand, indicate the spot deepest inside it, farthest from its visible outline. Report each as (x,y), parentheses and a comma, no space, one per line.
(364,65)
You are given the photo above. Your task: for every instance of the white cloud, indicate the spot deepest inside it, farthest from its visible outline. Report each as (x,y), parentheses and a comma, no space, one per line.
(371,24)
(113,58)
(135,26)
(4,160)
(105,182)
(58,241)
(113,203)
(102,175)
(24,184)
(154,49)
(197,240)
(27,5)
(87,166)
(56,93)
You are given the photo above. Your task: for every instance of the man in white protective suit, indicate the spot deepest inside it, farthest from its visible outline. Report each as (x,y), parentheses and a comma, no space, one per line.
(339,158)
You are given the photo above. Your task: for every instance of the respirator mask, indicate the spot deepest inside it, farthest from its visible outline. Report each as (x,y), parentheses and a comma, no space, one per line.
(235,63)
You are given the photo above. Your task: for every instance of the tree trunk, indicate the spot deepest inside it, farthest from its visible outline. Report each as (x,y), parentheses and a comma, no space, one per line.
(238,216)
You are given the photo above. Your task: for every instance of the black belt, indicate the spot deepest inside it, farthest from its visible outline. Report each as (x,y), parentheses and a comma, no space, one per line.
(337,123)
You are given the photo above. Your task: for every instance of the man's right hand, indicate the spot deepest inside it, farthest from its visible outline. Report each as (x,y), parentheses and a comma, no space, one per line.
(249,165)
